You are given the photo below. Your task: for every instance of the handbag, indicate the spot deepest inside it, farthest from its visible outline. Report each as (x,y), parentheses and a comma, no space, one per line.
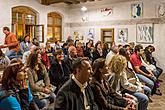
(42,95)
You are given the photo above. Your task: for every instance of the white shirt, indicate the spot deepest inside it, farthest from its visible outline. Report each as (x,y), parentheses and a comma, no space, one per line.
(82,88)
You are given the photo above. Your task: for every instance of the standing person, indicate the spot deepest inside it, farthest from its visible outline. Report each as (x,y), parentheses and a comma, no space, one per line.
(11,42)
(76,94)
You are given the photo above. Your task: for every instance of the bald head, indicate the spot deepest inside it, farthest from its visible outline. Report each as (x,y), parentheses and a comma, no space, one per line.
(72,51)
(32,48)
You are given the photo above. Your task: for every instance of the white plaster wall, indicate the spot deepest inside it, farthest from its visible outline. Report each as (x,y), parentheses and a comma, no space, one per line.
(121,11)
(5,13)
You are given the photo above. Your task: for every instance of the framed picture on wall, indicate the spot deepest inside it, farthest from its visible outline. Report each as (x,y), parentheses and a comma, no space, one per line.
(91,34)
(144,33)
(161,10)
(136,10)
(122,35)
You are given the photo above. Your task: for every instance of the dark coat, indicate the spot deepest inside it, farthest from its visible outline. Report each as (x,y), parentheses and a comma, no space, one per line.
(96,55)
(105,97)
(57,74)
(70,97)
(69,63)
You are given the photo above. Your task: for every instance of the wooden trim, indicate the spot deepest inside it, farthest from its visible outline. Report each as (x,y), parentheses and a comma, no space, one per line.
(107,30)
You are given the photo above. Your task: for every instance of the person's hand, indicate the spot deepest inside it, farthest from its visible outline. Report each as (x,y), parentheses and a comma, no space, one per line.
(46,90)
(128,107)
(150,75)
(142,91)
(3,46)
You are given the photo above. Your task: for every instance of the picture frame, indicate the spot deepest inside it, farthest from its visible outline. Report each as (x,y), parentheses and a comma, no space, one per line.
(91,34)
(136,10)
(160,10)
(122,35)
(145,33)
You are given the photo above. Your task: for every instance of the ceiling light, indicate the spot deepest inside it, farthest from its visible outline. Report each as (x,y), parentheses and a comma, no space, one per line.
(83,8)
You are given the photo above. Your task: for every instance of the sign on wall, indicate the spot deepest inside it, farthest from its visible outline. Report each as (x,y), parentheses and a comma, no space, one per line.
(106,11)
(136,10)
(144,33)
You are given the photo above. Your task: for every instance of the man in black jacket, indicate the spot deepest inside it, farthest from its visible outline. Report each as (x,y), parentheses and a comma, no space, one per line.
(76,94)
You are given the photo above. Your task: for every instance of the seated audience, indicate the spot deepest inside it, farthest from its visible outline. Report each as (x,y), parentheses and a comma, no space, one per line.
(50,51)
(141,69)
(57,45)
(76,94)
(98,52)
(72,54)
(89,50)
(59,72)
(39,81)
(15,91)
(150,59)
(132,77)
(25,45)
(112,52)
(4,61)
(80,50)
(35,42)
(117,66)
(45,59)
(104,95)
(27,53)
(65,49)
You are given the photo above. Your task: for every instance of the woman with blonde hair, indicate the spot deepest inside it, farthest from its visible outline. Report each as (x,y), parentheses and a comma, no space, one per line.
(104,95)
(121,84)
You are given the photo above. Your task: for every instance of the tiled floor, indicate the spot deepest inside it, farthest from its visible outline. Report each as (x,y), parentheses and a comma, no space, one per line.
(159,101)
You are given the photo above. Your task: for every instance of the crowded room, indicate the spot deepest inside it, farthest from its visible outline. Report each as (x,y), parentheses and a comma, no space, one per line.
(82,55)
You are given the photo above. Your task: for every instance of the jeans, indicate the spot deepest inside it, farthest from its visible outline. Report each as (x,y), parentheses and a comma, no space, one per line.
(157,72)
(11,54)
(146,80)
(41,103)
(142,100)
(147,91)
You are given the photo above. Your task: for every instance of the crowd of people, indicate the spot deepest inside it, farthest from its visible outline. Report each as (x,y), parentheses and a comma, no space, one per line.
(75,76)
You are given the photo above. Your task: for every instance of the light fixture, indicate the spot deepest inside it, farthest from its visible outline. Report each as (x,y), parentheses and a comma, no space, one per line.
(29,16)
(84,8)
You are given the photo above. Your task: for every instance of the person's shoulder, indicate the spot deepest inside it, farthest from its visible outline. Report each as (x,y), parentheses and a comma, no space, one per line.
(12,34)
(134,55)
(67,86)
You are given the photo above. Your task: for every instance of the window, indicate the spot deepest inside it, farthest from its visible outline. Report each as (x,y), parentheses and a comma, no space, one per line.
(21,17)
(54,27)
